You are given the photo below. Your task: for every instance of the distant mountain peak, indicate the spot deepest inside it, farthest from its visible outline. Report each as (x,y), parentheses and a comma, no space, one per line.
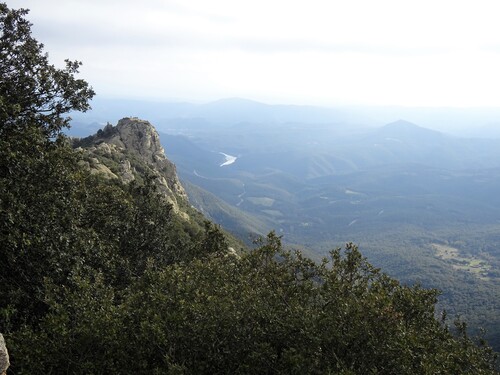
(405,128)
(403,124)
(236,100)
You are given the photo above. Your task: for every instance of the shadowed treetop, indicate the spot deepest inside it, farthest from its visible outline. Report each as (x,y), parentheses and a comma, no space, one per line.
(33,91)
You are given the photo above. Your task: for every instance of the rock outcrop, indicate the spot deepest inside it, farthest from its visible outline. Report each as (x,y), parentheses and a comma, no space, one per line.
(4,356)
(129,151)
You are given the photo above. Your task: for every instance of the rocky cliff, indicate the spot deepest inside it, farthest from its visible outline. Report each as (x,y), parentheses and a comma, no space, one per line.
(4,356)
(131,150)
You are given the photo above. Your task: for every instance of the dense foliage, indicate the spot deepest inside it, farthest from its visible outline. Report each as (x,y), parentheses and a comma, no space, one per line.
(101,277)
(268,311)
(32,90)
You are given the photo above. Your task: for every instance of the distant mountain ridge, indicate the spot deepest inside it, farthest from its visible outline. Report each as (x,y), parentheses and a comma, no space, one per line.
(470,122)
(407,128)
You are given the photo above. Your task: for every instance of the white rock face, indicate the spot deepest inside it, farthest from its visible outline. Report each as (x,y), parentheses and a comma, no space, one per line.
(140,136)
(130,142)
(4,356)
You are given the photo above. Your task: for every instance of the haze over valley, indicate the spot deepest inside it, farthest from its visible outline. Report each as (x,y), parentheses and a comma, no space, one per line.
(321,177)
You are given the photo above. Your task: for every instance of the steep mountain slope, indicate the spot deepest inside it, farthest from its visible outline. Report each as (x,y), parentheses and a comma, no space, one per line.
(246,226)
(132,150)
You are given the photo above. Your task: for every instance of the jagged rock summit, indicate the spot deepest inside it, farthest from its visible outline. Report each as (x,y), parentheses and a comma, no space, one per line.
(129,151)
(137,136)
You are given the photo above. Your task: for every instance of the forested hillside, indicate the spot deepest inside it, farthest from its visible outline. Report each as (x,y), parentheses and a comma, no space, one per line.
(104,275)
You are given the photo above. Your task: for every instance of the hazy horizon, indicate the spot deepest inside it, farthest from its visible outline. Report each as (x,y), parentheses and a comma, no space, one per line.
(463,122)
(323,53)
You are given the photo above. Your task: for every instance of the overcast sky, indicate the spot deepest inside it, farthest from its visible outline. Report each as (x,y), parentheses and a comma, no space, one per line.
(413,53)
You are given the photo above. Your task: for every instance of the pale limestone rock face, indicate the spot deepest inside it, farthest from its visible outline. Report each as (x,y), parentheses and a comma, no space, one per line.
(139,139)
(126,172)
(102,170)
(140,135)
(4,356)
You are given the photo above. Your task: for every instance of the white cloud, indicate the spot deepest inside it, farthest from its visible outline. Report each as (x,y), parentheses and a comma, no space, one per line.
(326,52)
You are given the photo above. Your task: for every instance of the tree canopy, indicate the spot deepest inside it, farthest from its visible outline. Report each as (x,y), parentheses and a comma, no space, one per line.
(33,91)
